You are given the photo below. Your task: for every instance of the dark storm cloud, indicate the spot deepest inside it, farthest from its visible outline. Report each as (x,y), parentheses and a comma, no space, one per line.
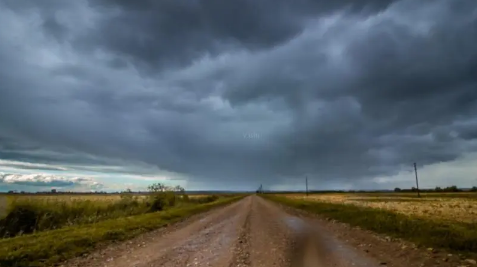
(234,94)
(175,33)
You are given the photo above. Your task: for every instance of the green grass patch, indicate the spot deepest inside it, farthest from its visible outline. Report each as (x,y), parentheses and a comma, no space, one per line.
(429,233)
(50,247)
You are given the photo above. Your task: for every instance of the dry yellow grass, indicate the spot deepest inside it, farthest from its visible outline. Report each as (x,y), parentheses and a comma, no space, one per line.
(436,207)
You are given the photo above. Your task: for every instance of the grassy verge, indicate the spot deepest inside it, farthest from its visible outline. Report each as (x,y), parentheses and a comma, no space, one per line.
(50,247)
(430,233)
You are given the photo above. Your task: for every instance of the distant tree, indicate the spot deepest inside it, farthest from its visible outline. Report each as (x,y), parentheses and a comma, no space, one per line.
(451,189)
(397,189)
(413,189)
(438,189)
(162,196)
(473,189)
(157,187)
(179,189)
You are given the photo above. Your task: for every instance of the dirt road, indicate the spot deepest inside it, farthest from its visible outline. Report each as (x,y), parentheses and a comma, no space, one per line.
(255,232)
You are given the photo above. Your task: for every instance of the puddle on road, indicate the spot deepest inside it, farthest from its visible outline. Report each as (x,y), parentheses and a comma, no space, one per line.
(295,223)
(333,247)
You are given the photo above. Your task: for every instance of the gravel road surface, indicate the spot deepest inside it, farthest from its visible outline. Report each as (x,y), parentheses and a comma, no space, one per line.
(256,232)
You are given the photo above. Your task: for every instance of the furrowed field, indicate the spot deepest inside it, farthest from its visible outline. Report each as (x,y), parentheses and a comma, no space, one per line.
(437,220)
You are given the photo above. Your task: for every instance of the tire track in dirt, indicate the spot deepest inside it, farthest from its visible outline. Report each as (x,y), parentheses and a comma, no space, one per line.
(271,242)
(241,256)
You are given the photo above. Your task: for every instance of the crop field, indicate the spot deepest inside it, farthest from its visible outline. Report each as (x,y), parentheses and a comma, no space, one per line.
(461,207)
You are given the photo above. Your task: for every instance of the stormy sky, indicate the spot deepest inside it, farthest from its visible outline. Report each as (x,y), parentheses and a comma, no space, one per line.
(214,94)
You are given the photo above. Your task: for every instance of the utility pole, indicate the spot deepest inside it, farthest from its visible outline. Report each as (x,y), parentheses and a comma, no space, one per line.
(417,180)
(306,183)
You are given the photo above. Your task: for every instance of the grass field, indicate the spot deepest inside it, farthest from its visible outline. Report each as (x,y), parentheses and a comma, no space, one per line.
(435,220)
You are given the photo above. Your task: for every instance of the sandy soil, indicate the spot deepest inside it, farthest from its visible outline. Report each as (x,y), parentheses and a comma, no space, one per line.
(255,232)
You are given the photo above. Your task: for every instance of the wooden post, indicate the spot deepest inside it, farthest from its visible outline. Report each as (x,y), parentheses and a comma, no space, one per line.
(417,180)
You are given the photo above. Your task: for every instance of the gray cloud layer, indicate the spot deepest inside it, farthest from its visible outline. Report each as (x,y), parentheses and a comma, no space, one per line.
(240,93)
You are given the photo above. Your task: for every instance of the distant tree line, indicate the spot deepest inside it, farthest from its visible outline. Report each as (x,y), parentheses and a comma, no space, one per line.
(53,191)
(448,189)
(157,187)
(397,189)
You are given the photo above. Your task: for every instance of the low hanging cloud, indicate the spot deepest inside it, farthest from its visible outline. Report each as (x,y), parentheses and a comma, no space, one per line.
(343,92)
(30,166)
(45,180)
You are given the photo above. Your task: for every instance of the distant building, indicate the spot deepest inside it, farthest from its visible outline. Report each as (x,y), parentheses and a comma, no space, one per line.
(53,191)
